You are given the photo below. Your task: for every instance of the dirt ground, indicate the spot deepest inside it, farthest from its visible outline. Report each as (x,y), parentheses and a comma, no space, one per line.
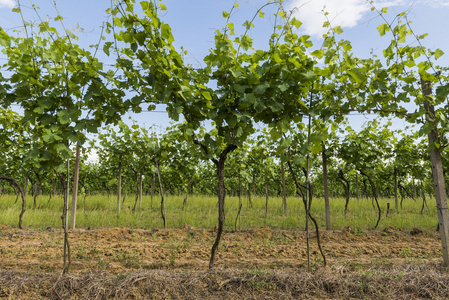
(262,251)
(121,250)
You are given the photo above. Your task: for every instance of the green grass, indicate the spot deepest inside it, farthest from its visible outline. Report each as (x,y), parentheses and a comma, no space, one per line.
(201,212)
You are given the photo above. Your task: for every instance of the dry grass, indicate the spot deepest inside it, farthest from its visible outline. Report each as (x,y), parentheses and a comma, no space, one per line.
(397,282)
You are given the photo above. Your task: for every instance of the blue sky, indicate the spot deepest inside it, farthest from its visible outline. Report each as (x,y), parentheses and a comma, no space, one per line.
(194,22)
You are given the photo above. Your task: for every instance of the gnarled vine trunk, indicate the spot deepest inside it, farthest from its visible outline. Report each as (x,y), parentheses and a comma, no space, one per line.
(300,193)
(345,184)
(221,198)
(161,193)
(437,171)
(22,193)
(373,189)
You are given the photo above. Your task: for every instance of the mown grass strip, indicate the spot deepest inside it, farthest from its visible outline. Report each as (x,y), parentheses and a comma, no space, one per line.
(201,212)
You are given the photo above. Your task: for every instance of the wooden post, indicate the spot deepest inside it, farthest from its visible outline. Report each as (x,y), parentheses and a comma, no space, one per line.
(396,189)
(249,196)
(161,193)
(284,193)
(357,185)
(124,191)
(437,172)
(414,189)
(326,188)
(54,189)
(140,189)
(266,195)
(152,189)
(332,188)
(119,186)
(240,200)
(76,173)
(254,184)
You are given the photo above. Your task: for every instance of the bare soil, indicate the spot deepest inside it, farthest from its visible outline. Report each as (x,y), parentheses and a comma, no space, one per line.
(260,263)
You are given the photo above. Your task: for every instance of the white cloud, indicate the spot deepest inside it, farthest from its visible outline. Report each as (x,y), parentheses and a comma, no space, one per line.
(436,3)
(7,3)
(344,13)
